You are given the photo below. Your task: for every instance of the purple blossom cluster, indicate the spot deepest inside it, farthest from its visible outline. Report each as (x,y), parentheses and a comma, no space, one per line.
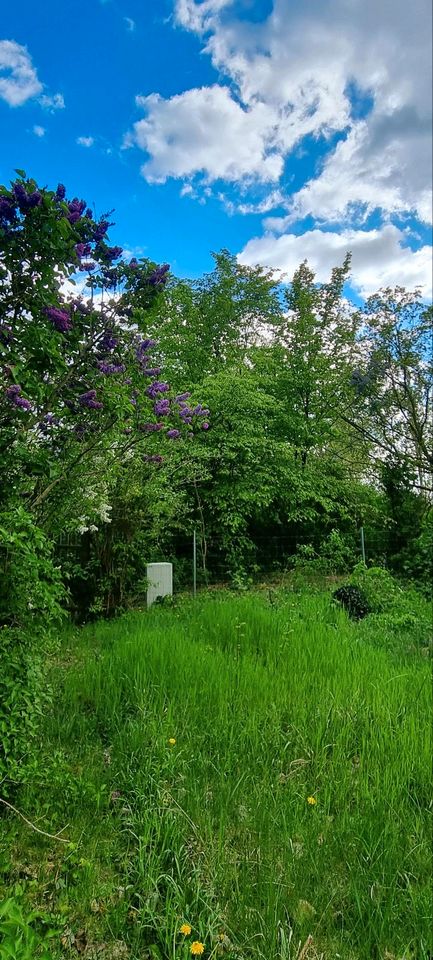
(81,307)
(88,399)
(109,368)
(113,253)
(83,250)
(162,407)
(60,320)
(173,434)
(6,333)
(13,394)
(155,388)
(76,209)
(108,342)
(7,211)
(159,276)
(150,427)
(100,229)
(61,191)
(152,371)
(26,201)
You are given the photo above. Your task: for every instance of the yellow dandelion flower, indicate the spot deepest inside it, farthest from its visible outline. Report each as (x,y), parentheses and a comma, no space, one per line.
(185,929)
(172,741)
(197,948)
(311,801)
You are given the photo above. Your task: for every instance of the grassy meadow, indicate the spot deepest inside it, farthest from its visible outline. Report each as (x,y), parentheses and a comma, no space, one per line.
(256,767)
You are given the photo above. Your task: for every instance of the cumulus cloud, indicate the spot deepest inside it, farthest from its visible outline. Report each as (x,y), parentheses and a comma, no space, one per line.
(18,78)
(294,75)
(379,257)
(38,131)
(85,141)
(206,130)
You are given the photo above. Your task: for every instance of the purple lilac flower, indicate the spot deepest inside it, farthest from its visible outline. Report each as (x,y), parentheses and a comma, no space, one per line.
(81,307)
(74,217)
(59,319)
(5,333)
(185,413)
(205,425)
(159,276)
(7,210)
(145,345)
(23,403)
(113,253)
(26,200)
(108,368)
(20,193)
(77,206)
(88,399)
(61,191)
(83,249)
(108,342)
(89,214)
(152,371)
(150,427)
(34,199)
(110,277)
(156,388)
(181,397)
(173,434)
(87,267)
(100,229)
(161,408)
(13,394)
(133,263)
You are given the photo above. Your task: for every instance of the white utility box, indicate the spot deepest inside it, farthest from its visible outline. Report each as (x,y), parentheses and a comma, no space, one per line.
(160,581)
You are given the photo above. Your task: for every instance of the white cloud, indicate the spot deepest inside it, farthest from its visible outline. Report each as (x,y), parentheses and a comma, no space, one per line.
(52,103)
(385,163)
(379,257)
(18,78)
(85,141)
(38,131)
(294,74)
(199,17)
(206,130)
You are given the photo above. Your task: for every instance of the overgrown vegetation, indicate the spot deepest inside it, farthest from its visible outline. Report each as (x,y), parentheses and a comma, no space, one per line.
(289,420)
(255,767)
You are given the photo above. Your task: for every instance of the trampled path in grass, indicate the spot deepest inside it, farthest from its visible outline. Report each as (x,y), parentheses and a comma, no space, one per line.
(257,770)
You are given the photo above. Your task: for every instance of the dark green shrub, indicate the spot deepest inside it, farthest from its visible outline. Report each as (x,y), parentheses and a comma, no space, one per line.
(30,608)
(353,600)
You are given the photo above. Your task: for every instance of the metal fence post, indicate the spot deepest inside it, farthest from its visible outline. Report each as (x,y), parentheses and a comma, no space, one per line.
(362,544)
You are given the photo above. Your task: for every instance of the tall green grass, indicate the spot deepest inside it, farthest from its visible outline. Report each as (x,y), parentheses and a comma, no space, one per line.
(294,801)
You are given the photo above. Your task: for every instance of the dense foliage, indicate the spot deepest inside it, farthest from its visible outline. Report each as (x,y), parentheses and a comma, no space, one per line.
(286,419)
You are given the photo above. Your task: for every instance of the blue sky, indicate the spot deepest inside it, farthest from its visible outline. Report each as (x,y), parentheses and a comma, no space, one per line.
(280,129)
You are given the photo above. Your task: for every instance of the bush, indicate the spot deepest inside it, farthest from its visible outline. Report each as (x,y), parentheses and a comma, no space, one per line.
(353,600)
(30,607)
